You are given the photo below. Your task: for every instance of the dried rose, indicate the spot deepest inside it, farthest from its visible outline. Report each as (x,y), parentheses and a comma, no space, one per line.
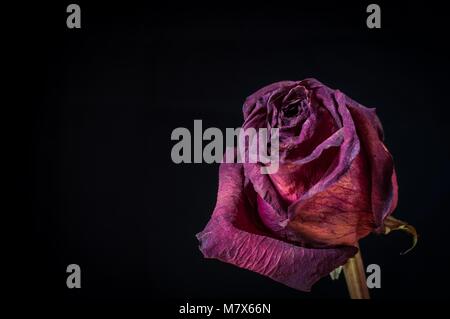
(335,184)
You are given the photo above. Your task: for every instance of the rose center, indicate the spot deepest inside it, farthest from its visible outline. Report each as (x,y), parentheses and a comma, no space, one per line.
(291,110)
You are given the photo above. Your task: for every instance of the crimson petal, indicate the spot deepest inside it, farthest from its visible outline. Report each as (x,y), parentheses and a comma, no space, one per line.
(233,236)
(384,180)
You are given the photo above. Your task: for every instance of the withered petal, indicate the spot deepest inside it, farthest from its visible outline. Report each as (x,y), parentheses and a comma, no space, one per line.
(384,187)
(231,236)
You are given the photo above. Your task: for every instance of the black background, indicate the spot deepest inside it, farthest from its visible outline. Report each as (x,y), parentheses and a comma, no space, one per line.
(104,192)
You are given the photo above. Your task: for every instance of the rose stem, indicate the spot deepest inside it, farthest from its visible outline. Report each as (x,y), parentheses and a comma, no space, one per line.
(355,277)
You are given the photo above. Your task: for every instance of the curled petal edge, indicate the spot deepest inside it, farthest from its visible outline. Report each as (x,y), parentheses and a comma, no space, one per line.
(230,238)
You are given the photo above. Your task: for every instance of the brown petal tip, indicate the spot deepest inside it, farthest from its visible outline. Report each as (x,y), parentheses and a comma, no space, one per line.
(391,224)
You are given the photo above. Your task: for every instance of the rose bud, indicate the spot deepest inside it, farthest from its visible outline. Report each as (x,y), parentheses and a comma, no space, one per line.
(335,184)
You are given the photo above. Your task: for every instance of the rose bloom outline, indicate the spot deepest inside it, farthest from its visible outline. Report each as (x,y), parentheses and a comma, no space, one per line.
(335,184)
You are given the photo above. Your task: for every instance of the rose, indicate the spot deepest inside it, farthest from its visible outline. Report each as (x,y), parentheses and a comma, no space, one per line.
(335,184)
